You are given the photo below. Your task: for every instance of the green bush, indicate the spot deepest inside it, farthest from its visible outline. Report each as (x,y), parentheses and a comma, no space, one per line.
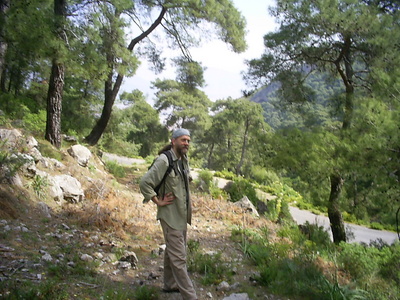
(390,267)
(205,180)
(117,146)
(361,261)
(211,266)
(116,169)
(316,234)
(263,176)
(35,122)
(241,187)
(39,185)
(225,174)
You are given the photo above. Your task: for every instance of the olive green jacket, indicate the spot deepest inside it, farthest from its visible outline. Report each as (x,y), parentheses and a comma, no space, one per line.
(179,213)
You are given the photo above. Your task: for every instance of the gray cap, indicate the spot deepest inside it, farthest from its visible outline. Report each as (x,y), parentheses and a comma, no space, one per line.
(179,132)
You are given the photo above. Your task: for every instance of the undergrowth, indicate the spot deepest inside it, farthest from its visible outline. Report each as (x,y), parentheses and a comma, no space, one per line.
(304,262)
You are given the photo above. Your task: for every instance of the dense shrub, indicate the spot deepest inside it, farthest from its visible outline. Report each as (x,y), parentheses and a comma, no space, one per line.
(241,187)
(263,176)
(225,174)
(390,268)
(361,261)
(115,169)
(204,180)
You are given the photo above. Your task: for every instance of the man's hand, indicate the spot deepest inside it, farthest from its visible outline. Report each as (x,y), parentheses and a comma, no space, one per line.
(167,200)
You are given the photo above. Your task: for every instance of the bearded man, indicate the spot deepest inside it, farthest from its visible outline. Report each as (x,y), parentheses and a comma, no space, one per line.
(174,209)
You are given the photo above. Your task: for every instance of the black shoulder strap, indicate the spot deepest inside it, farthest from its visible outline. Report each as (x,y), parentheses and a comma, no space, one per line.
(170,167)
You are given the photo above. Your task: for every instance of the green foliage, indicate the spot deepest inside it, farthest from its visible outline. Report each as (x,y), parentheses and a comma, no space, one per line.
(144,293)
(241,187)
(48,289)
(139,124)
(48,150)
(116,169)
(316,234)
(263,176)
(211,265)
(278,210)
(225,174)
(189,106)
(39,185)
(35,122)
(363,262)
(205,180)
(10,161)
(390,267)
(110,143)
(295,265)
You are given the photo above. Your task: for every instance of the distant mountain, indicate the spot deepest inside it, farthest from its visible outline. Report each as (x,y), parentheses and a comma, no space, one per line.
(320,108)
(265,94)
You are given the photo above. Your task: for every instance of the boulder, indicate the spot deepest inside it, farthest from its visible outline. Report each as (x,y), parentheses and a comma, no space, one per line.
(71,187)
(55,190)
(81,154)
(11,137)
(247,206)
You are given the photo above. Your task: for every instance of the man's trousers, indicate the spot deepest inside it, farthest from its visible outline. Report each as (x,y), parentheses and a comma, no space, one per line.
(175,268)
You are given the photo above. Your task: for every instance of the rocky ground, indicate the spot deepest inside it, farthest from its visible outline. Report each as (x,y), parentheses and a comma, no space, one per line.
(114,233)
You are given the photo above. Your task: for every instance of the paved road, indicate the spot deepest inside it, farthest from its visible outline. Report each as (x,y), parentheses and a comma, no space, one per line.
(361,234)
(124,161)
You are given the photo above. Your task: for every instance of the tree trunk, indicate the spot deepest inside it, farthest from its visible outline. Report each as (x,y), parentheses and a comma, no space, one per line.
(54,104)
(244,147)
(4,6)
(109,99)
(334,213)
(111,92)
(56,82)
(335,216)
(210,153)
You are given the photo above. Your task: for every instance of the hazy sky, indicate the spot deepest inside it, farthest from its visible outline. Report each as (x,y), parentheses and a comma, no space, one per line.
(223,78)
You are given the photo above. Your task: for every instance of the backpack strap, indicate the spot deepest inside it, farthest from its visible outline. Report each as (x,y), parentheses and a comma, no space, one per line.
(170,167)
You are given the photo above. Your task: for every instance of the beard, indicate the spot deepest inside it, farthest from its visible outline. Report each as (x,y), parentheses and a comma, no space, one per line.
(182,150)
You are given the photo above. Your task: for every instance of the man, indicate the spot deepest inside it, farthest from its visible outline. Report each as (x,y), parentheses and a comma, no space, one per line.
(173,210)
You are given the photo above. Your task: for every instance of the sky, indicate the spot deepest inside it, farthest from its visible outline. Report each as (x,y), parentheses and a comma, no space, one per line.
(223,74)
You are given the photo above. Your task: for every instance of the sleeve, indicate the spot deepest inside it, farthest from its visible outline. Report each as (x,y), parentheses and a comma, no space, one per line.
(153,177)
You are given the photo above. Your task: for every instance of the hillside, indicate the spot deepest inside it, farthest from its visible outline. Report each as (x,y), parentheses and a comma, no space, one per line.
(281,110)
(106,246)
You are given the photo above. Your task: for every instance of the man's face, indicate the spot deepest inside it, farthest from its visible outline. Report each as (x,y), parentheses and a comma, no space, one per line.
(181,144)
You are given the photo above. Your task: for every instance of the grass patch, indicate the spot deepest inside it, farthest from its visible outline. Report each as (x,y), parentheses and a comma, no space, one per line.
(116,169)
(211,265)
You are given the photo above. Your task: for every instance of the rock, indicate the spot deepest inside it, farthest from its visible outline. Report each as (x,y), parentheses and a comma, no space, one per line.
(124,265)
(81,154)
(86,257)
(31,142)
(55,190)
(47,257)
(70,138)
(52,164)
(223,286)
(242,296)
(131,258)
(45,209)
(11,137)
(71,187)
(247,206)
